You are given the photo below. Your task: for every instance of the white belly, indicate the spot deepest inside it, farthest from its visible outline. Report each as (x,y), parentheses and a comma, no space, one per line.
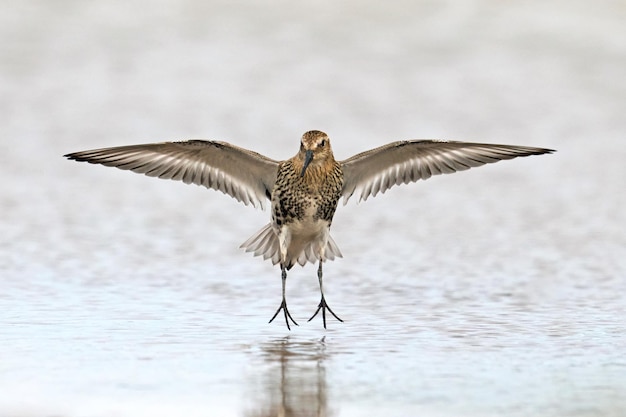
(303,240)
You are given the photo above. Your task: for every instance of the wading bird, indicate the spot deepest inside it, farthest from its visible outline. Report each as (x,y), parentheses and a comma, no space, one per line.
(303,190)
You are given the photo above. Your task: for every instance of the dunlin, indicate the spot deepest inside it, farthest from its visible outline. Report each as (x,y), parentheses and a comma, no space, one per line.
(303,190)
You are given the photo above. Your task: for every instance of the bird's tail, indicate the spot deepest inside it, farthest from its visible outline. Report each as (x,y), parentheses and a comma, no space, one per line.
(265,242)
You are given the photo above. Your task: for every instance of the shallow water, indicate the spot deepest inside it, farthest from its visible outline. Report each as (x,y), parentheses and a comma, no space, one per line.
(498,291)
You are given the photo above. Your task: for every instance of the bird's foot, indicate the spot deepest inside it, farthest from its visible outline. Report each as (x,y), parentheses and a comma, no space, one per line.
(323,306)
(283,306)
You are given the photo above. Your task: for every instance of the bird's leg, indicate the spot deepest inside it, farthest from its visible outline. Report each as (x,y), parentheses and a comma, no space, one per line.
(283,304)
(322,305)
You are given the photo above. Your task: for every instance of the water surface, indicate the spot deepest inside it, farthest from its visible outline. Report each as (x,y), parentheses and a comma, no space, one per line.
(498,291)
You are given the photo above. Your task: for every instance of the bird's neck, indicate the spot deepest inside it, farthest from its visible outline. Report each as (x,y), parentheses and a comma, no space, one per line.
(317,171)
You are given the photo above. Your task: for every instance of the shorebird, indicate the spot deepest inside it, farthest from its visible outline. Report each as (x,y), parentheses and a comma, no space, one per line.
(303,191)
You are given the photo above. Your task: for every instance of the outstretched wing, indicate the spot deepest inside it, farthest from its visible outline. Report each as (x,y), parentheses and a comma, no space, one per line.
(244,175)
(379,169)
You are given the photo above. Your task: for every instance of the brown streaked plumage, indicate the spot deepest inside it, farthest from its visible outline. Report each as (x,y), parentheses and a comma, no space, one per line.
(303,190)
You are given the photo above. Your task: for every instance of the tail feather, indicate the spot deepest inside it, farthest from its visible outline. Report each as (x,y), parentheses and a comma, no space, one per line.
(265,243)
(332,250)
(307,255)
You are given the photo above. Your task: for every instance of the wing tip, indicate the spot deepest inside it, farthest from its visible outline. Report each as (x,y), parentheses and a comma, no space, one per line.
(74,156)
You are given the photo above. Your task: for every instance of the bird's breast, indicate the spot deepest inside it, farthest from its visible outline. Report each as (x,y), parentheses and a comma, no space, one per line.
(304,199)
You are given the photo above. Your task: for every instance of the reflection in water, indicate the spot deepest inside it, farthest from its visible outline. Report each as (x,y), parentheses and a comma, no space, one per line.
(289,379)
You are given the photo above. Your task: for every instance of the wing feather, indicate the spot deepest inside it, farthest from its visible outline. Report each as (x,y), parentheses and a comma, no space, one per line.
(244,175)
(377,170)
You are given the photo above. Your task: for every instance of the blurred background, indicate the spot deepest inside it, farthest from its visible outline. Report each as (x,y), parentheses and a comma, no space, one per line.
(498,291)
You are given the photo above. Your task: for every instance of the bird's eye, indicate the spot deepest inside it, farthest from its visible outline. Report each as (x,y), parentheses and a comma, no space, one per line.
(322,143)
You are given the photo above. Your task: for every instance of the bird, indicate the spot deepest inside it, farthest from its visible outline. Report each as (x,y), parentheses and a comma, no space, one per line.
(303,192)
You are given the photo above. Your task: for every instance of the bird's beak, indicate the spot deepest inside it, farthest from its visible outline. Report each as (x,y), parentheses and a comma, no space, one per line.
(308,157)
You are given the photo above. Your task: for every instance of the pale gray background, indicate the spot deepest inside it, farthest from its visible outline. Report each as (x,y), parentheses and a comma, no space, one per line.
(498,291)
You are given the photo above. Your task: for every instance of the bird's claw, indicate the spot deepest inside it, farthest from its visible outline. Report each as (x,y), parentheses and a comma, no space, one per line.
(323,306)
(283,306)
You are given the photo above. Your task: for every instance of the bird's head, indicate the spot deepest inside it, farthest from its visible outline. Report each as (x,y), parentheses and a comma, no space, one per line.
(315,150)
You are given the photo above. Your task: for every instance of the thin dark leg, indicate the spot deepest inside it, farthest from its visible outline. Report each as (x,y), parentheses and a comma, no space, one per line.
(322,305)
(283,304)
